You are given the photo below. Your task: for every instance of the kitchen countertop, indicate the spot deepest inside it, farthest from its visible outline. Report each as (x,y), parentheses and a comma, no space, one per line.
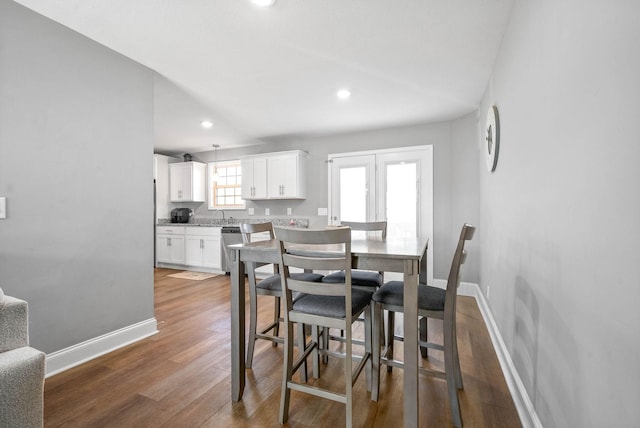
(206,222)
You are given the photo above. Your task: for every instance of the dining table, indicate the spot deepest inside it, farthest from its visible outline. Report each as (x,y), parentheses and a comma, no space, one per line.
(407,255)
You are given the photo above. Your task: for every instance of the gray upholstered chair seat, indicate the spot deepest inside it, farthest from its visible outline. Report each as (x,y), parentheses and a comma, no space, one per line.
(274,283)
(331,306)
(429,298)
(362,278)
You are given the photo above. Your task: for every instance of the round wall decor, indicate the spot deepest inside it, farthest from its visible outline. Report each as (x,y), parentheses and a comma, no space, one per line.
(492,138)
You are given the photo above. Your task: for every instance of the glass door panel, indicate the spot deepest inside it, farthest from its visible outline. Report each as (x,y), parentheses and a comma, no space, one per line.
(352,183)
(353,194)
(401,199)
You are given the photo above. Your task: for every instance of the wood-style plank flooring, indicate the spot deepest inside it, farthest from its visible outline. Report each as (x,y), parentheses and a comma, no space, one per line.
(180,377)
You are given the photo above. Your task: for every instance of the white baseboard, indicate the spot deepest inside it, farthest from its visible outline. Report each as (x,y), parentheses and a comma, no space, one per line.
(524,406)
(72,356)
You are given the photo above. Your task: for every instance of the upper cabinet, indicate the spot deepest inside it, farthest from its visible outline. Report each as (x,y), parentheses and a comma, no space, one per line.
(286,176)
(187,181)
(275,176)
(254,177)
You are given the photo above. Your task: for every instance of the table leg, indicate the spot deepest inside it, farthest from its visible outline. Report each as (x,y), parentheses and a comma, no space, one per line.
(410,343)
(237,327)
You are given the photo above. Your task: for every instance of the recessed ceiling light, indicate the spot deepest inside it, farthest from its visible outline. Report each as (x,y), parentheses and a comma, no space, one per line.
(343,94)
(263,3)
(206,124)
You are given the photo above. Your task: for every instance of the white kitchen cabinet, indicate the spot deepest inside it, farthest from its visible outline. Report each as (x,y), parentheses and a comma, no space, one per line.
(187,181)
(274,176)
(161,180)
(286,175)
(254,177)
(170,244)
(202,247)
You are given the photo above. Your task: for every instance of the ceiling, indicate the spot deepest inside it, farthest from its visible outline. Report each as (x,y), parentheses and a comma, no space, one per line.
(261,74)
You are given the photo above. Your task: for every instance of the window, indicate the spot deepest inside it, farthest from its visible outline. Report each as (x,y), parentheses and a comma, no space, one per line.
(224,189)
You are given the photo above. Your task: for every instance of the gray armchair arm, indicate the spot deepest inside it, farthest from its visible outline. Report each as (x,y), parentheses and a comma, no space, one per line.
(14,324)
(21,368)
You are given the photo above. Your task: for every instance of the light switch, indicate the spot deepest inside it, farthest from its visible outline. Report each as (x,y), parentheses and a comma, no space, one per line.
(322,211)
(251,211)
(3,208)
(288,211)
(267,211)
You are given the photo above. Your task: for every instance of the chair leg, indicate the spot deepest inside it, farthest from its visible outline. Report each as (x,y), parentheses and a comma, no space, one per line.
(368,334)
(375,352)
(383,340)
(325,344)
(287,373)
(450,372)
(276,319)
(390,337)
(424,337)
(456,361)
(253,320)
(316,355)
(348,373)
(302,344)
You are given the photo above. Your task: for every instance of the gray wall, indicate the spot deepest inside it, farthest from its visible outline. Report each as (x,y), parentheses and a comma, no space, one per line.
(448,137)
(76,144)
(560,227)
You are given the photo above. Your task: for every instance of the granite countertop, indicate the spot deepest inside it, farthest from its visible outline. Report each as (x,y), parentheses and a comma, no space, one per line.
(209,222)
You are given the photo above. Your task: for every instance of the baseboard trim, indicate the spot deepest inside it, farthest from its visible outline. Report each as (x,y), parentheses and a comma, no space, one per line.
(62,360)
(524,406)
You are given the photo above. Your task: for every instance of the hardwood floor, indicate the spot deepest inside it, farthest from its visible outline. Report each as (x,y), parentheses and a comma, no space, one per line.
(181,376)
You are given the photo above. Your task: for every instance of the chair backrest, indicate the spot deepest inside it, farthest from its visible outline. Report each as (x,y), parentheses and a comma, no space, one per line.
(248,229)
(368,226)
(307,249)
(459,257)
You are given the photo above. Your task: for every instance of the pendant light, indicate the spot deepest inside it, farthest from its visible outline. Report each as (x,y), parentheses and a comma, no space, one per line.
(215,163)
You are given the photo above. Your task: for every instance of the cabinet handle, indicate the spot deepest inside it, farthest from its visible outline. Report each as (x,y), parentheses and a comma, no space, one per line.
(201,243)
(168,242)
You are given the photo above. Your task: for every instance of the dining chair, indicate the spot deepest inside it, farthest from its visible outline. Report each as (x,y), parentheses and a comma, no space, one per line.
(433,302)
(363,279)
(326,305)
(269,286)
(366,279)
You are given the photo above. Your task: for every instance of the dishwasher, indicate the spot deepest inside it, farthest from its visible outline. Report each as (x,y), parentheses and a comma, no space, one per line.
(228,235)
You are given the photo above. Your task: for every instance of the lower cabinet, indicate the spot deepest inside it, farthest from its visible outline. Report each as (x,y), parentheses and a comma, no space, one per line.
(202,247)
(170,244)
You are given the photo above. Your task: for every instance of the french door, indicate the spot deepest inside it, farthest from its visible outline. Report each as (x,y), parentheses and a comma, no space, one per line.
(395,185)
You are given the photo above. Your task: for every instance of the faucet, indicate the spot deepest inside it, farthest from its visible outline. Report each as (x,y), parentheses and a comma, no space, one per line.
(223,220)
